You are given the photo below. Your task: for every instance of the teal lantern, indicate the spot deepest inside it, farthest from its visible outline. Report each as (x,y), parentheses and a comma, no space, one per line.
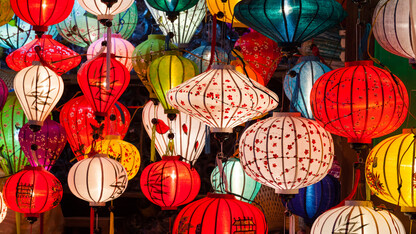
(202,55)
(242,186)
(172,7)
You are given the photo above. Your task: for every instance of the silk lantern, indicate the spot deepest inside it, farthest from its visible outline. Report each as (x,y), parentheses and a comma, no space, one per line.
(220,213)
(170,183)
(201,56)
(238,183)
(105,10)
(172,8)
(359,102)
(6,14)
(222,98)
(43,148)
(32,191)
(298,83)
(97,180)
(3,208)
(224,9)
(3,94)
(286,152)
(244,68)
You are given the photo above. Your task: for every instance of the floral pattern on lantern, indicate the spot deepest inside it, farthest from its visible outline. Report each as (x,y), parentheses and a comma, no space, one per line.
(105,9)
(201,56)
(3,208)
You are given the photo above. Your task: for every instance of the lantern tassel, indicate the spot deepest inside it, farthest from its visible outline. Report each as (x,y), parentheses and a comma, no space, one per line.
(207,140)
(91,220)
(111,218)
(152,144)
(17,215)
(108,58)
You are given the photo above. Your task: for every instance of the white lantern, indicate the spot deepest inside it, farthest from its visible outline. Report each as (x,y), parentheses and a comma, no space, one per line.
(122,48)
(105,9)
(222,98)
(98,179)
(286,152)
(3,208)
(357,217)
(38,89)
(190,133)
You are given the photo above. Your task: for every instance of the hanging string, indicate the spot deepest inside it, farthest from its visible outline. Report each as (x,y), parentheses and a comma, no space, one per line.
(207,140)
(17,216)
(223,176)
(108,57)
(213,41)
(111,208)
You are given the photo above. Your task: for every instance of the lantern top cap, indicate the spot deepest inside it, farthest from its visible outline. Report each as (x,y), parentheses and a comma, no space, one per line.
(223,66)
(359,203)
(171,158)
(282,114)
(38,168)
(224,196)
(113,35)
(45,36)
(99,155)
(309,58)
(156,36)
(359,63)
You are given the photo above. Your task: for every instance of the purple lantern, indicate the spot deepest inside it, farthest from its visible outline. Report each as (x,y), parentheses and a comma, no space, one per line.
(42,148)
(4,92)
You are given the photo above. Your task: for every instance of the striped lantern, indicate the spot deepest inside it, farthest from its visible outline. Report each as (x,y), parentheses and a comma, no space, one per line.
(224,9)
(105,10)
(201,56)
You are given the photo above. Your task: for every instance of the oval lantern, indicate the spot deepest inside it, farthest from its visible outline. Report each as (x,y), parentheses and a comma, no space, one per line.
(224,9)
(43,148)
(6,14)
(105,10)
(97,180)
(170,183)
(220,213)
(222,98)
(172,7)
(3,208)
(201,56)
(238,182)
(286,152)
(32,191)
(359,102)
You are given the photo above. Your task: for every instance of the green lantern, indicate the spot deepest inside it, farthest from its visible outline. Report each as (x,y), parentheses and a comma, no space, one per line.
(167,72)
(144,54)
(12,118)
(172,7)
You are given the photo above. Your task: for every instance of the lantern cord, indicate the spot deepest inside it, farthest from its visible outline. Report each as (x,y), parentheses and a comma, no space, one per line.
(213,41)
(223,176)
(17,216)
(108,58)
(97,229)
(91,220)
(411,226)
(111,208)
(41,216)
(358,55)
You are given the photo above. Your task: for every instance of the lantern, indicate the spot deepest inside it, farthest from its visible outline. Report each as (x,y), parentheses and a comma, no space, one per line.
(102,91)
(77,117)
(289,23)
(286,152)
(244,68)
(122,49)
(5,16)
(357,217)
(105,10)
(238,182)
(224,9)
(38,89)
(203,56)
(222,98)
(121,151)
(298,83)
(43,148)
(4,92)
(359,102)
(220,213)
(32,191)
(59,58)
(97,180)
(3,208)
(170,183)
(184,27)
(82,28)
(172,7)
(167,72)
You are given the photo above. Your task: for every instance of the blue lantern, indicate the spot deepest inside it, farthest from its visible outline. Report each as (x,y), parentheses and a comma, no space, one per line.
(203,56)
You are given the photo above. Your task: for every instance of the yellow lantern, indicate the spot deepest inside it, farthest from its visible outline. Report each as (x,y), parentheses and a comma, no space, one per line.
(224,9)
(6,12)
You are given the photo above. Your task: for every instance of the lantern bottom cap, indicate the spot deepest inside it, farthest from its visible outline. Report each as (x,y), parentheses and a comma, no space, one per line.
(169,208)
(97,203)
(105,17)
(35,122)
(31,215)
(287,191)
(225,130)
(360,140)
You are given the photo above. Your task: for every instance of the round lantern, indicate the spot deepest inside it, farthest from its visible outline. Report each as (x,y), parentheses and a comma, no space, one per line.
(121,151)
(38,89)
(4,92)
(244,68)
(43,148)
(167,72)
(59,58)
(298,83)
(6,14)
(222,98)
(82,28)
(220,213)
(92,79)
(170,183)
(224,9)
(172,7)
(77,117)
(359,102)
(203,56)
(97,180)
(105,9)
(3,208)
(286,152)
(357,217)
(32,191)
(237,181)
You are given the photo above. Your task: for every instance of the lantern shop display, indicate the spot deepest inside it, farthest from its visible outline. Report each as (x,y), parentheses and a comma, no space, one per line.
(201,56)
(220,213)
(172,7)
(213,98)
(105,10)
(3,208)
(224,9)
(170,183)
(359,102)
(286,152)
(6,15)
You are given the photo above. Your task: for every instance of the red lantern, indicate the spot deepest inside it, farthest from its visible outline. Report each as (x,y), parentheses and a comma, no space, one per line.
(59,58)
(102,91)
(218,214)
(32,191)
(77,117)
(359,102)
(170,183)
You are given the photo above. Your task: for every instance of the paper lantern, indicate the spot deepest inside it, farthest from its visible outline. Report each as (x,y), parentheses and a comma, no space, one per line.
(167,72)
(286,152)
(92,79)
(3,208)
(359,102)
(6,15)
(105,10)
(224,9)
(172,7)
(59,58)
(237,181)
(32,191)
(184,27)
(38,89)
(244,68)
(298,83)
(220,213)
(203,56)
(222,98)
(43,148)
(189,133)
(357,217)
(4,92)
(77,117)
(170,183)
